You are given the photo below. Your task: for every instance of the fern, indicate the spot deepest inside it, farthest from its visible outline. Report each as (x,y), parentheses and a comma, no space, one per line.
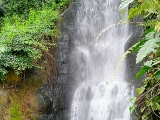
(118,65)
(157,26)
(152,23)
(121,59)
(134,12)
(146,8)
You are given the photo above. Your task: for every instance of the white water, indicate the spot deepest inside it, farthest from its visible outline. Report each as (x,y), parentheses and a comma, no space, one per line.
(94,61)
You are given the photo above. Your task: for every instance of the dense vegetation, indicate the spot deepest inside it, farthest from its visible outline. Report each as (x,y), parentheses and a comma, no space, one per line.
(24,23)
(147,104)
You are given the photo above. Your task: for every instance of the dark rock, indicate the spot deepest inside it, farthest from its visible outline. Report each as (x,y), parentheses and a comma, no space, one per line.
(137,34)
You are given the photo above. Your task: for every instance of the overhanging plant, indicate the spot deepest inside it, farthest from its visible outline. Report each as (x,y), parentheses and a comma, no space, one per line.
(21,44)
(148,102)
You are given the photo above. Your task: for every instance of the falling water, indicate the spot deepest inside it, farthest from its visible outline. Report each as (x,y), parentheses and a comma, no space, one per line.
(99,95)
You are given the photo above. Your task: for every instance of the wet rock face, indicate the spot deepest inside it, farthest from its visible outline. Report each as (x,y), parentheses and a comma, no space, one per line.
(27,103)
(54,97)
(33,94)
(136,34)
(55,104)
(63,89)
(132,67)
(5,102)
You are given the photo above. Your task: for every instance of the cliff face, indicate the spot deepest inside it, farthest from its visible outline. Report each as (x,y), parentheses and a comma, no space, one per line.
(33,95)
(46,94)
(64,90)
(64,83)
(29,97)
(132,67)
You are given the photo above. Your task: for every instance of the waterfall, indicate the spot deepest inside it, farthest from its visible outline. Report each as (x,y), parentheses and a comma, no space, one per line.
(99,95)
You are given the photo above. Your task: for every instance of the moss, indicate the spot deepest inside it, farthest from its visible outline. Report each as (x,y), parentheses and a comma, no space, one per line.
(15,111)
(34,82)
(12,78)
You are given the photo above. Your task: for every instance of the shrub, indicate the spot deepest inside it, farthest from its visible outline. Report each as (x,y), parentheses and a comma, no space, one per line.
(21,44)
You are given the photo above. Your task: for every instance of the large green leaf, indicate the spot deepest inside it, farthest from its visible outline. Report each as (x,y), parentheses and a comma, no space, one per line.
(149,30)
(140,90)
(142,71)
(125,3)
(138,46)
(149,46)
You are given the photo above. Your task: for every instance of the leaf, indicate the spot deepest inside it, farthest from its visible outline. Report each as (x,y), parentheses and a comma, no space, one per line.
(148,47)
(157,74)
(142,71)
(149,30)
(147,102)
(125,3)
(138,46)
(133,100)
(148,63)
(131,108)
(156,106)
(140,90)
(157,26)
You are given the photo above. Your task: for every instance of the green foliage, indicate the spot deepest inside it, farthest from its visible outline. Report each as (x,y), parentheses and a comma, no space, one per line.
(21,44)
(22,7)
(149,46)
(133,100)
(142,71)
(145,7)
(21,39)
(148,102)
(132,108)
(15,112)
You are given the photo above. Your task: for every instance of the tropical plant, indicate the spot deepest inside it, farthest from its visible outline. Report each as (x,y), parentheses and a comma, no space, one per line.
(21,44)
(148,102)
(22,7)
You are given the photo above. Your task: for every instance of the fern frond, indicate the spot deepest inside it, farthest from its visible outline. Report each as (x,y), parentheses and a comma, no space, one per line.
(119,23)
(151,23)
(119,62)
(154,5)
(134,12)
(145,8)
(110,26)
(157,26)
(118,65)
